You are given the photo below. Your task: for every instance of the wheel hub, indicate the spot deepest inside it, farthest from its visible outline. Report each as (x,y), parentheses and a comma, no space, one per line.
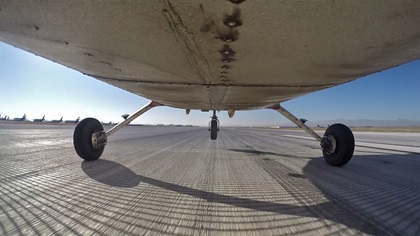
(98,139)
(329,144)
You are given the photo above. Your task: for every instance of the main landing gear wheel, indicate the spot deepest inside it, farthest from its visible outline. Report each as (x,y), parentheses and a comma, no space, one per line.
(338,145)
(213,129)
(83,140)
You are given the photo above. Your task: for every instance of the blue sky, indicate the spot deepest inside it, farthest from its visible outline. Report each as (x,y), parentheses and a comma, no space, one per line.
(35,86)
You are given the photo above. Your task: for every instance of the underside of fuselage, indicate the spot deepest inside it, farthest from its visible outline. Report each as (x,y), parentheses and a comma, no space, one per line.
(217,55)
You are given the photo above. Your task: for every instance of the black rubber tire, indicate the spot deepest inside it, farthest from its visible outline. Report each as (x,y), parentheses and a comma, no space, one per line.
(82,139)
(213,129)
(344,145)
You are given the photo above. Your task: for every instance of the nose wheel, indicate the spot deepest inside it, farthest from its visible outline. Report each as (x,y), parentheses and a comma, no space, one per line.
(213,126)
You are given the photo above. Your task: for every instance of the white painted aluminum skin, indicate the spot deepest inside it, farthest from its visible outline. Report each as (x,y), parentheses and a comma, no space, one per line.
(218,54)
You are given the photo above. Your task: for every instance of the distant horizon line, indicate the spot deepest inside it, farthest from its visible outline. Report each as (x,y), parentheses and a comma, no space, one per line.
(362,122)
(11,121)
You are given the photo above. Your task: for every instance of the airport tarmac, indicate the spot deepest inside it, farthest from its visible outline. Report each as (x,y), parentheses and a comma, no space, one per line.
(175,180)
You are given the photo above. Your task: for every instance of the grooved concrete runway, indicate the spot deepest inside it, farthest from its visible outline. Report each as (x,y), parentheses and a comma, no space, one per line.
(175,180)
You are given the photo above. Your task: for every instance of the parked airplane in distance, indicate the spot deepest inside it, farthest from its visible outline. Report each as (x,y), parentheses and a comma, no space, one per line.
(23,118)
(109,123)
(40,120)
(73,121)
(57,121)
(4,118)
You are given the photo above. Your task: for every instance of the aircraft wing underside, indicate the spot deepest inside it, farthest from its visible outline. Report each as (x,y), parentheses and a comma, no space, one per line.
(218,54)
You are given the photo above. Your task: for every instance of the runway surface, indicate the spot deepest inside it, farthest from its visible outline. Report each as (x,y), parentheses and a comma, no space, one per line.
(175,180)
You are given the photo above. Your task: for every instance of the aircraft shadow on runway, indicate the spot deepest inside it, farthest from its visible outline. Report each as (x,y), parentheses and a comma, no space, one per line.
(385,188)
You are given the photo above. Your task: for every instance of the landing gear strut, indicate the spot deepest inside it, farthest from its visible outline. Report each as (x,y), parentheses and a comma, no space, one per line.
(213,126)
(337,143)
(89,137)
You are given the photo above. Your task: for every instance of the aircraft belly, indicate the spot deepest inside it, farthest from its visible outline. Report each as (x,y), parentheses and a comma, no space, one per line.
(214,97)
(216,54)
